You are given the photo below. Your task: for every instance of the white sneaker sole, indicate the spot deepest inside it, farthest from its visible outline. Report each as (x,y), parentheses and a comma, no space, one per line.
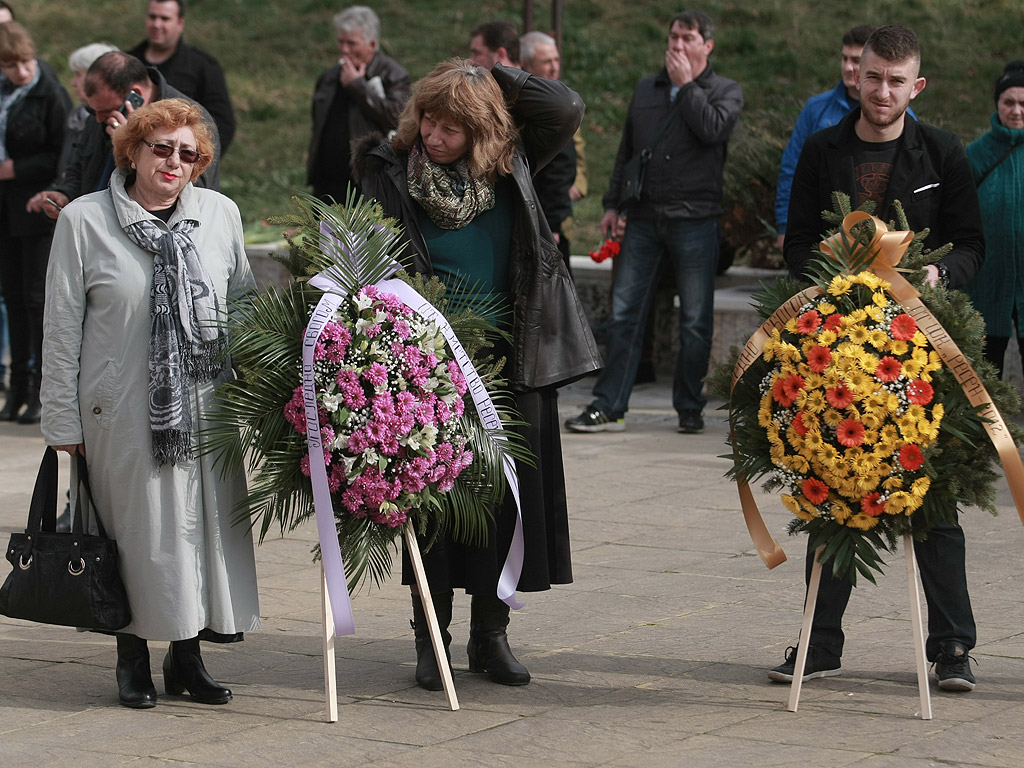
(608,426)
(782,677)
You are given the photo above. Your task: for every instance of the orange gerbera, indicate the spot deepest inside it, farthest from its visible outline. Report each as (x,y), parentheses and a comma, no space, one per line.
(815,490)
(808,322)
(889,369)
(903,327)
(850,433)
(818,358)
(920,392)
(911,457)
(872,504)
(839,396)
(785,390)
(833,321)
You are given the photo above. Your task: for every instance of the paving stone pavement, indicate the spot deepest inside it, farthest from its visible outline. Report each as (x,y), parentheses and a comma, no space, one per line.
(654,656)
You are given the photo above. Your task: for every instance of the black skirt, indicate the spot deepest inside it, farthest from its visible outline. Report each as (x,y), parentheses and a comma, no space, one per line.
(547,559)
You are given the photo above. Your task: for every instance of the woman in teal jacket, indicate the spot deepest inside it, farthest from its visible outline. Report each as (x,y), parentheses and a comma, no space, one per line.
(998,165)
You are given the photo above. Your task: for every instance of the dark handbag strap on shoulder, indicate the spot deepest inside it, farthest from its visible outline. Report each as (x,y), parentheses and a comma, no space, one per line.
(648,152)
(997,163)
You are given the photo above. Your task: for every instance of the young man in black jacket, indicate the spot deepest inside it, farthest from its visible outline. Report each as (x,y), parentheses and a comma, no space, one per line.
(879,153)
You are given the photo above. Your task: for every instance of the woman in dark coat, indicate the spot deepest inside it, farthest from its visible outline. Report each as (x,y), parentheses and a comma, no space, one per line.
(458,176)
(33,108)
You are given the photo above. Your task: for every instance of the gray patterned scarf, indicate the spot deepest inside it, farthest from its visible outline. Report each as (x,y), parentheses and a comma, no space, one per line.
(185,342)
(451,196)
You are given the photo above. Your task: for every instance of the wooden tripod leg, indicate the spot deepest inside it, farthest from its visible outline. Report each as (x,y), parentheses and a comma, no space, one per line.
(428,608)
(805,633)
(330,673)
(917,627)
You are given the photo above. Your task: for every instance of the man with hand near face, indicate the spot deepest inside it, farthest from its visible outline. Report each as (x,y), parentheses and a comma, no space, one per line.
(878,152)
(364,92)
(192,71)
(675,219)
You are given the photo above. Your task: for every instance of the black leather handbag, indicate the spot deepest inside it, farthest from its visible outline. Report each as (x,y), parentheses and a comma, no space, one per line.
(71,578)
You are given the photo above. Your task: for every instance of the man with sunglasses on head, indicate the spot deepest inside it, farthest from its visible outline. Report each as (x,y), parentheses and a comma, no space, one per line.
(109,86)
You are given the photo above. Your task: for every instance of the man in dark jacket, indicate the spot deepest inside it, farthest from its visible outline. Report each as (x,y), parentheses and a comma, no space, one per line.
(108,83)
(880,153)
(362,94)
(192,71)
(676,218)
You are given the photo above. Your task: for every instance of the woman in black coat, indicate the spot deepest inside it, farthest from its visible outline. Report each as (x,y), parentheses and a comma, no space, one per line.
(458,176)
(33,108)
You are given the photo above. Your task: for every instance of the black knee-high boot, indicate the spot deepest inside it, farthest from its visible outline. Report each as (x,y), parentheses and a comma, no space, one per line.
(488,644)
(428,675)
(135,687)
(184,670)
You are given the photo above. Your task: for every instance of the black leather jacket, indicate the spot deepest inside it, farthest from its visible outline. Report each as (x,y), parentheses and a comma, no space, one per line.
(552,342)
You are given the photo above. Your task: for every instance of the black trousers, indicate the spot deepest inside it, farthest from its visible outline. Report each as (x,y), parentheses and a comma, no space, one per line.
(941,561)
(23,263)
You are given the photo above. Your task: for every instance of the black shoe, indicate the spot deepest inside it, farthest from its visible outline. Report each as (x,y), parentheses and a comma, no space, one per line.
(135,687)
(184,670)
(428,673)
(690,422)
(488,649)
(595,420)
(953,670)
(819,664)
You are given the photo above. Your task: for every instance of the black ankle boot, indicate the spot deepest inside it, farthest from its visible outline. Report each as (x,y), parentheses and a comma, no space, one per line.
(488,644)
(17,395)
(184,670)
(135,687)
(428,674)
(33,408)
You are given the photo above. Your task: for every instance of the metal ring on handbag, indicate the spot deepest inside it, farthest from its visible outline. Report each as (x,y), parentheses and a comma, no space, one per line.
(71,567)
(22,564)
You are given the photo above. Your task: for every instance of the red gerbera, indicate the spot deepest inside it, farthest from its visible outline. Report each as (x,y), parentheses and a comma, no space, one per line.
(903,327)
(785,390)
(850,433)
(818,358)
(920,392)
(808,322)
(833,321)
(872,504)
(803,422)
(839,396)
(815,490)
(911,457)
(889,369)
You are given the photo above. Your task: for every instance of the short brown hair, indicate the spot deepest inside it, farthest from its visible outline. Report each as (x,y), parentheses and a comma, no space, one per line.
(460,91)
(15,44)
(894,44)
(166,113)
(858,35)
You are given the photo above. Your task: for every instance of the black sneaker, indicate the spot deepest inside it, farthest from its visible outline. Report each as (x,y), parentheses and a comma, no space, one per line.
(953,669)
(595,420)
(691,422)
(818,664)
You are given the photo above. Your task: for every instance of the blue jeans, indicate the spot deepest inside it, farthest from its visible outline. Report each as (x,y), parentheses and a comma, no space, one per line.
(691,245)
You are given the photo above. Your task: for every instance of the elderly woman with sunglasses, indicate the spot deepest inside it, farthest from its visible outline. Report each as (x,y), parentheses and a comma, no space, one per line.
(139,276)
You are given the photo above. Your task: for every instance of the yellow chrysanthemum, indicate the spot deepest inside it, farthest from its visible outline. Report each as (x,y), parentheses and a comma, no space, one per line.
(919,340)
(893,483)
(897,502)
(888,436)
(862,522)
(879,339)
(827,454)
(872,421)
(859,381)
(839,286)
(826,308)
(827,338)
(790,503)
(791,325)
(814,401)
(832,417)
(898,347)
(858,334)
(841,512)
(938,411)
(920,487)
(912,368)
(875,313)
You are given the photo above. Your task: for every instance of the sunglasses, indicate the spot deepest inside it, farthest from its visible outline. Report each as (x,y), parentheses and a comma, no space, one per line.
(189,156)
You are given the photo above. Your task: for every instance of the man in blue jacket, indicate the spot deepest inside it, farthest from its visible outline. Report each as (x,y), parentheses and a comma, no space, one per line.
(879,153)
(821,111)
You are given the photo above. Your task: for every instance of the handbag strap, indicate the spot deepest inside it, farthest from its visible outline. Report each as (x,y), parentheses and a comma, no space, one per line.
(648,152)
(42,511)
(997,163)
(78,524)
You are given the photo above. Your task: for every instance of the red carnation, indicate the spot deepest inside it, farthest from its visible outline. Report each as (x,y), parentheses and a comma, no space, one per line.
(815,490)
(889,369)
(818,358)
(903,327)
(850,433)
(808,322)
(920,392)
(872,504)
(911,457)
(839,396)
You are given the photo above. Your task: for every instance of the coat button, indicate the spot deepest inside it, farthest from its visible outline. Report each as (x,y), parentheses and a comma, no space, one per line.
(97,410)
